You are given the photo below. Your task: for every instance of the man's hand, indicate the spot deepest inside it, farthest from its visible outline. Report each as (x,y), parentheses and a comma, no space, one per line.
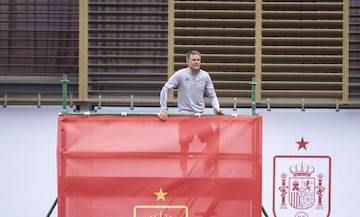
(163,115)
(219,111)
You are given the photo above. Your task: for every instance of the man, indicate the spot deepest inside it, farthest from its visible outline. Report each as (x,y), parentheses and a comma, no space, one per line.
(191,83)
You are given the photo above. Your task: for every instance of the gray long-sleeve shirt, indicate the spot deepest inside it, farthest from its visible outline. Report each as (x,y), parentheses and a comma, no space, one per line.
(191,89)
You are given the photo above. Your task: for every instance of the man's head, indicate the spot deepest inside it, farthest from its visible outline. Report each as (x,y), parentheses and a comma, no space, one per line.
(193,60)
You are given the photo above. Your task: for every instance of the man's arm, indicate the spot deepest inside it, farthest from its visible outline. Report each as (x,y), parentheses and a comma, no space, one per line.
(169,85)
(163,98)
(163,115)
(210,89)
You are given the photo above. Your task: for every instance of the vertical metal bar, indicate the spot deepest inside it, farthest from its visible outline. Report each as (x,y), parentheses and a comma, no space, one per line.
(131,102)
(64,82)
(71,100)
(302,104)
(39,100)
(268,104)
(5,100)
(235,104)
(99,102)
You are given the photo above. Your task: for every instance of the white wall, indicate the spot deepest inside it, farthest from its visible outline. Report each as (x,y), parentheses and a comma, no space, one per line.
(331,133)
(28,185)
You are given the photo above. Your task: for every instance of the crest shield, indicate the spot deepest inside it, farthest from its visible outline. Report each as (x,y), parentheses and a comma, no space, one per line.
(302,192)
(301,186)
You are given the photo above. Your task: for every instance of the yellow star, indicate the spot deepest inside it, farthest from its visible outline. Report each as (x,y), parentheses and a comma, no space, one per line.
(160,195)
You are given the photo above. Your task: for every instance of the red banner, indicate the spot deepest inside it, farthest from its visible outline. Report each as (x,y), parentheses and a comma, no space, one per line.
(139,166)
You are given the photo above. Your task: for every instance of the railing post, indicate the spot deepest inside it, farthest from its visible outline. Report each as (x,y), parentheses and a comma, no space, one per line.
(64,82)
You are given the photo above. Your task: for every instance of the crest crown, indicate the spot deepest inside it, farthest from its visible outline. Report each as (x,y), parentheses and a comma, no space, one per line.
(302,170)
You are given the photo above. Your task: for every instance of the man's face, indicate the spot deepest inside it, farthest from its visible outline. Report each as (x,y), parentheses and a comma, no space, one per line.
(194,62)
